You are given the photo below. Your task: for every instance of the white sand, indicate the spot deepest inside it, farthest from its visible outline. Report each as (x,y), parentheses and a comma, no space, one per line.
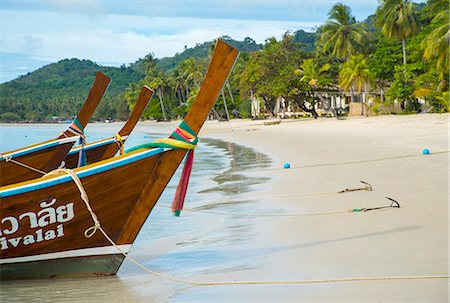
(410,241)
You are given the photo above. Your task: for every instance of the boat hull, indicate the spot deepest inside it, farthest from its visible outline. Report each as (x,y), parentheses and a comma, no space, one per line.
(75,267)
(95,154)
(45,223)
(44,159)
(51,216)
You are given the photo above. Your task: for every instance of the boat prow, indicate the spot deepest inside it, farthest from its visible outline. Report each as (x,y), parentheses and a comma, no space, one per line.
(32,161)
(48,230)
(107,148)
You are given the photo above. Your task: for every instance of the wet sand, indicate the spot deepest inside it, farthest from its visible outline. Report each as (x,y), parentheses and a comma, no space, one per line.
(327,156)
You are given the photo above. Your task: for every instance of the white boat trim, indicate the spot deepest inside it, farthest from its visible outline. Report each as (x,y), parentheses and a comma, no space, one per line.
(30,149)
(96,251)
(95,144)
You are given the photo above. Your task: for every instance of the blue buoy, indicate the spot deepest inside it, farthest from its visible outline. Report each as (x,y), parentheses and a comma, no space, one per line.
(426,151)
(287,165)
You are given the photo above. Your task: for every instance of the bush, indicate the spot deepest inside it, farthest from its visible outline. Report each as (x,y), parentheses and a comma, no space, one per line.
(413,107)
(10,117)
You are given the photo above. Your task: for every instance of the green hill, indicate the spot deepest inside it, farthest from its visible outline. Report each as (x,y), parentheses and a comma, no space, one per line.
(59,90)
(307,39)
(201,51)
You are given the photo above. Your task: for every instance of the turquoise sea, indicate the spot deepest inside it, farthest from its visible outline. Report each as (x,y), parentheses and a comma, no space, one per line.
(192,245)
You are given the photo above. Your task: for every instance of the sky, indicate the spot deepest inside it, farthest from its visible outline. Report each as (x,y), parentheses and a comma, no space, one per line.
(34,33)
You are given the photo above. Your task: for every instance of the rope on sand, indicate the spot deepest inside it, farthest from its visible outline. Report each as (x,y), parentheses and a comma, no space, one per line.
(97,226)
(394,204)
(366,187)
(351,162)
(260,215)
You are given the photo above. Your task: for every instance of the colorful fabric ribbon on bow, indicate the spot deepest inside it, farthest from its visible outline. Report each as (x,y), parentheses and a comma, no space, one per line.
(185,138)
(76,128)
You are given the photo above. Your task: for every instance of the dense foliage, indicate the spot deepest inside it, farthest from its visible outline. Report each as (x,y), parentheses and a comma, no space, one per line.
(59,90)
(399,54)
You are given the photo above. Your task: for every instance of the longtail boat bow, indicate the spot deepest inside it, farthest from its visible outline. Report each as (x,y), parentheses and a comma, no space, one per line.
(32,161)
(48,230)
(107,148)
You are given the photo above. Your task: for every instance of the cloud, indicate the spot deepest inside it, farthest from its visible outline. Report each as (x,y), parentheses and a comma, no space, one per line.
(124,38)
(78,7)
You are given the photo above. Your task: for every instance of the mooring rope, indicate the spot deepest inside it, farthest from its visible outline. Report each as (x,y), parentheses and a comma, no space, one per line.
(260,215)
(10,159)
(367,187)
(97,226)
(232,214)
(350,162)
(119,141)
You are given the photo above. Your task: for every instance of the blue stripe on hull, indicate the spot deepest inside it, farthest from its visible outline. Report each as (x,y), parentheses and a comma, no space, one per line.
(85,172)
(26,151)
(94,145)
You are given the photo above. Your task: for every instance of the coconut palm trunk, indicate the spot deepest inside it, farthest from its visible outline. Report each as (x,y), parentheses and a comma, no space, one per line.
(160,97)
(225,105)
(230,92)
(397,19)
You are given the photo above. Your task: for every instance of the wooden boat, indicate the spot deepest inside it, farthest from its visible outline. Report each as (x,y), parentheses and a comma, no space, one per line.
(107,148)
(44,221)
(272,122)
(31,161)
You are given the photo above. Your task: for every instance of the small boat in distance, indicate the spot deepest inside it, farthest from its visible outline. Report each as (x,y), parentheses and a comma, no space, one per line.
(47,230)
(107,148)
(32,161)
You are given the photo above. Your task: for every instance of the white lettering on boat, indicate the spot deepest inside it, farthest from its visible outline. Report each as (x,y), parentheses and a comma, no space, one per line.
(40,224)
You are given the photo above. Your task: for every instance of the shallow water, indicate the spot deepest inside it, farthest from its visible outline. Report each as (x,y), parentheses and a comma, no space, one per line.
(194,243)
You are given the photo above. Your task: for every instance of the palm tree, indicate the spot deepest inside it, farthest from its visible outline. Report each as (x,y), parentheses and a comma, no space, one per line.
(149,64)
(192,72)
(177,82)
(158,83)
(341,34)
(397,19)
(445,101)
(131,94)
(311,72)
(436,44)
(354,72)
(312,75)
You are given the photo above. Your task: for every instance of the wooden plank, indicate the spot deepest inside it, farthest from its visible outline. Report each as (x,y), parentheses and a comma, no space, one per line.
(144,97)
(96,93)
(112,195)
(45,160)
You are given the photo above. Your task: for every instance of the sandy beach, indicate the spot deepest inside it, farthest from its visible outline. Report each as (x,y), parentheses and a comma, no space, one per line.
(247,218)
(312,236)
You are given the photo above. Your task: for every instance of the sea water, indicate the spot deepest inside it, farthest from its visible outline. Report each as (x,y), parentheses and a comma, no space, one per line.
(192,244)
